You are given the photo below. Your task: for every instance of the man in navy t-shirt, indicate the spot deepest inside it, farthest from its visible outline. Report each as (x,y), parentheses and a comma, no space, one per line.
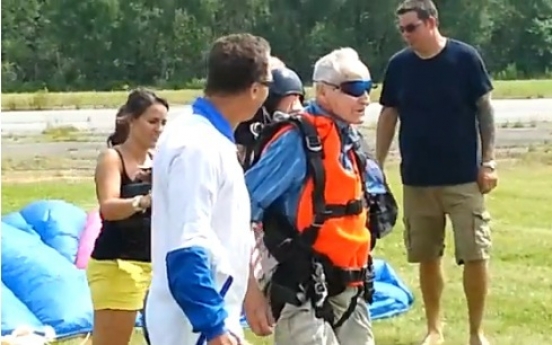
(440,90)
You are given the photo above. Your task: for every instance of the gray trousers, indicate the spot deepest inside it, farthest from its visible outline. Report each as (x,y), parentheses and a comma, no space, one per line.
(299,326)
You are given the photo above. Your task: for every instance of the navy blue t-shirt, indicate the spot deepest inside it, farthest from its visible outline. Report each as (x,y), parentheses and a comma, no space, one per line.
(436,102)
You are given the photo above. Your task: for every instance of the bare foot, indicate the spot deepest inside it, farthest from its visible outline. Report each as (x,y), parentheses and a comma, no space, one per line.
(434,339)
(478,340)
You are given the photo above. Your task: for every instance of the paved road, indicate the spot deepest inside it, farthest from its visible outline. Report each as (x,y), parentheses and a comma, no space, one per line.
(102,120)
(523,123)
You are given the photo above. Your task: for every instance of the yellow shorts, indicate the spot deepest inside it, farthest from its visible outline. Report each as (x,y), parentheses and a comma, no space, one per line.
(118,284)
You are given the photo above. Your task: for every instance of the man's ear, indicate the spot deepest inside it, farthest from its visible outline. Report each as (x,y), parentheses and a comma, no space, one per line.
(254,91)
(321,91)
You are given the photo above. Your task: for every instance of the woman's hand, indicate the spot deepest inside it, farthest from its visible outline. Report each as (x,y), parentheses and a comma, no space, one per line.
(145,202)
(144,175)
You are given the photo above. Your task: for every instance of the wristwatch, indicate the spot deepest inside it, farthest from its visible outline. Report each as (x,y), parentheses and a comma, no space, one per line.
(489,164)
(136,203)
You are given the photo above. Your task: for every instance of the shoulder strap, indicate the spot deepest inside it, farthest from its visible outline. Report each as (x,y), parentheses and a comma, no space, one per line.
(360,153)
(124,171)
(266,134)
(315,170)
(315,166)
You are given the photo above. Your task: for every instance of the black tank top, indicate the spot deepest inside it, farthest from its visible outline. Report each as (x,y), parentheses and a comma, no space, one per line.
(127,239)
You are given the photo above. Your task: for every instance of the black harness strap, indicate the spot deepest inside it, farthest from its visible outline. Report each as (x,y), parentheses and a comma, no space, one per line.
(361,161)
(315,169)
(321,213)
(350,309)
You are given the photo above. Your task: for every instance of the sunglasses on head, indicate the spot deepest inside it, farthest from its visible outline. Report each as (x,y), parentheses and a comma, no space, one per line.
(356,88)
(409,28)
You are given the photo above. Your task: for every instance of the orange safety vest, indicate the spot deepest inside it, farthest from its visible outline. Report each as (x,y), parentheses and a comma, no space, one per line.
(343,237)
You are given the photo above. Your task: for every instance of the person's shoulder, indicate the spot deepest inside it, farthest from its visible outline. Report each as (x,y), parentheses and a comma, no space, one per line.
(190,155)
(283,140)
(399,59)
(109,157)
(402,55)
(461,48)
(188,139)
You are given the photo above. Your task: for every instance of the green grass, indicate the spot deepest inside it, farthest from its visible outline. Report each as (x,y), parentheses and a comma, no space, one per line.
(521,293)
(54,100)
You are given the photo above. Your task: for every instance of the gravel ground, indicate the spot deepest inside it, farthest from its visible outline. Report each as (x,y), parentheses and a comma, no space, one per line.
(73,154)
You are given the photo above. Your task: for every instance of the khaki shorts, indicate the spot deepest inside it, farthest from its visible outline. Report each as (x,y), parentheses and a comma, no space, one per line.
(118,284)
(425,211)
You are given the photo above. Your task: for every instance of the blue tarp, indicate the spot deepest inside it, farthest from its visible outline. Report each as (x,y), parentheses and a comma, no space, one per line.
(41,285)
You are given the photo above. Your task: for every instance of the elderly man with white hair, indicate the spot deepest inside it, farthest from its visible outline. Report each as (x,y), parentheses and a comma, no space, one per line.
(308,195)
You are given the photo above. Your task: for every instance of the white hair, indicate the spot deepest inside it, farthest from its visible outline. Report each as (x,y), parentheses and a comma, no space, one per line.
(339,66)
(276,63)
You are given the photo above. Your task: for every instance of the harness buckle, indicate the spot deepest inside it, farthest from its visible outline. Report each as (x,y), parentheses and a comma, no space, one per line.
(353,207)
(313,143)
(319,219)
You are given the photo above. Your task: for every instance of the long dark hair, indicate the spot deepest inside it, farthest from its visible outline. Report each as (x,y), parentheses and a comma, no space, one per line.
(137,103)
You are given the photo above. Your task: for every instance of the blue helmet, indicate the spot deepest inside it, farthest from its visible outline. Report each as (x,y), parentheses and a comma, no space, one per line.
(285,82)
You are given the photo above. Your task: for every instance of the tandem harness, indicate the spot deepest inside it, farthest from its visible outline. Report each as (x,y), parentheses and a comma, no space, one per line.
(303,274)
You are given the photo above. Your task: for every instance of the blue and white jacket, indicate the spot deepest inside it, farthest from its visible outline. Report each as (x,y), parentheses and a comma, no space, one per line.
(201,235)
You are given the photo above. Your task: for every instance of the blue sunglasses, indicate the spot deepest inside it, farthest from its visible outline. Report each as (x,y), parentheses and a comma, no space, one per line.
(356,88)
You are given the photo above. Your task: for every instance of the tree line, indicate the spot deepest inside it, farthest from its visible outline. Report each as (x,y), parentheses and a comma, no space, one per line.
(69,45)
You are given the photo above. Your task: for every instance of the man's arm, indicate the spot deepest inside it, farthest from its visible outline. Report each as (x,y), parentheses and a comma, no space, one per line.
(486,124)
(193,182)
(480,92)
(385,132)
(387,121)
(282,165)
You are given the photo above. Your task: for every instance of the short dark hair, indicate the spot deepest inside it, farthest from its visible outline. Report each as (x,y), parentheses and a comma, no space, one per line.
(235,62)
(425,9)
(137,103)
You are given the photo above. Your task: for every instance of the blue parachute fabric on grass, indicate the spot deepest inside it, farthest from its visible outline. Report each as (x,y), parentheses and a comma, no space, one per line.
(15,313)
(392,296)
(45,283)
(41,286)
(58,223)
(16,220)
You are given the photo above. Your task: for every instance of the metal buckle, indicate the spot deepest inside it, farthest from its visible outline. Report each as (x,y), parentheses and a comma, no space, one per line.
(313,144)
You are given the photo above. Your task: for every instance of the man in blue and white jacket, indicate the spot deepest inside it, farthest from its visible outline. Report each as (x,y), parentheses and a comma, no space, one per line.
(201,236)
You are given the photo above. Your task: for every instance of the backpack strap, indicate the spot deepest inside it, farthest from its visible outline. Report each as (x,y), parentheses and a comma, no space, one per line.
(360,154)
(315,170)
(266,134)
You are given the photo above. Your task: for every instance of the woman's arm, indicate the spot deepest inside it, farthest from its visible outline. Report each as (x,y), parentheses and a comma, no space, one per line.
(108,185)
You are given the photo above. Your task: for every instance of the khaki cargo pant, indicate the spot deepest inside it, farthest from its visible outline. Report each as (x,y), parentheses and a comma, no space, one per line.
(425,210)
(299,326)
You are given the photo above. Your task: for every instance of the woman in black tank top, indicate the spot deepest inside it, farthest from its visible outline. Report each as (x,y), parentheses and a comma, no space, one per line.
(119,270)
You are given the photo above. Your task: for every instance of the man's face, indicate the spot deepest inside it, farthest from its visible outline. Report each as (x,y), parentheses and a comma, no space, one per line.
(414,30)
(259,92)
(290,104)
(349,100)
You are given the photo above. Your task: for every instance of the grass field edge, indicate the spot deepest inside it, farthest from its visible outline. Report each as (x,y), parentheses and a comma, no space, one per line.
(44,100)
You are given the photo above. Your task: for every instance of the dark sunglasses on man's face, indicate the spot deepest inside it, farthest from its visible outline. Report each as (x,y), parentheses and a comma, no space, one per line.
(266,82)
(409,28)
(356,88)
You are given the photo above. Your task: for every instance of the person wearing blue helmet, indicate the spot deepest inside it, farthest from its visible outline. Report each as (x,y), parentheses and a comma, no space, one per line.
(286,95)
